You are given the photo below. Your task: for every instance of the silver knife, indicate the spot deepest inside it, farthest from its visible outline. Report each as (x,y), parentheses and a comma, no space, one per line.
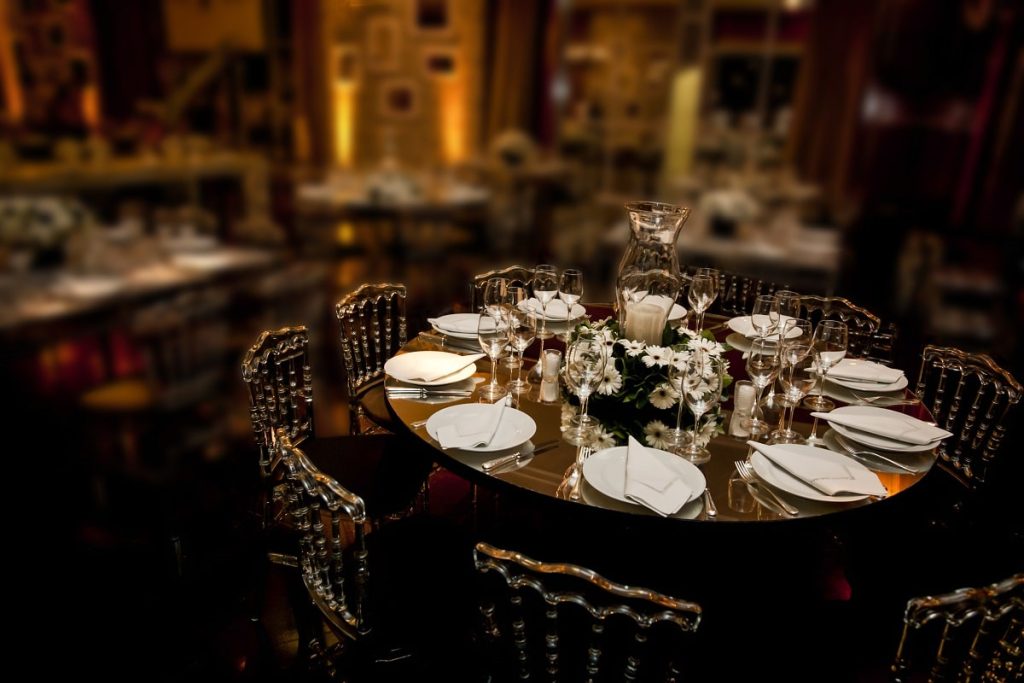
(445,343)
(514,457)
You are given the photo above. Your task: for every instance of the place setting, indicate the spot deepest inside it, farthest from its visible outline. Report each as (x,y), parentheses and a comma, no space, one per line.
(887,430)
(637,476)
(859,381)
(458,330)
(498,433)
(814,473)
(431,376)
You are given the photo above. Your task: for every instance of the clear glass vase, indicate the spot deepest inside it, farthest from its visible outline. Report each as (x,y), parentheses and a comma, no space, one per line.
(654,229)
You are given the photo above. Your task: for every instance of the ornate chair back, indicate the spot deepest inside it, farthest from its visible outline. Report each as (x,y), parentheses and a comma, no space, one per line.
(967,635)
(516,275)
(556,621)
(280,380)
(970,396)
(736,293)
(328,519)
(867,338)
(373,327)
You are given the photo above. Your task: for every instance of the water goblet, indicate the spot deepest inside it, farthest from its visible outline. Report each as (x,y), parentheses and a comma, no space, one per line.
(584,369)
(570,290)
(701,391)
(789,303)
(796,378)
(515,297)
(495,290)
(493,337)
(762,368)
(545,289)
(522,329)
(764,316)
(829,343)
(703,290)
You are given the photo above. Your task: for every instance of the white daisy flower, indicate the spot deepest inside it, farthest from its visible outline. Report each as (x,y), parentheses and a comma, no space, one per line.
(604,438)
(685,333)
(611,382)
(656,434)
(709,346)
(664,396)
(568,412)
(679,358)
(633,348)
(657,355)
(707,432)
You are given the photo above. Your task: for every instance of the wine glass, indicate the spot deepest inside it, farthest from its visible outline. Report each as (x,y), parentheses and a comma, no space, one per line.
(762,367)
(703,290)
(584,368)
(676,375)
(789,303)
(829,343)
(701,390)
(522,329)
(545,289)
(515,297)
(495,290)
(797,376)
(764,316)
(570,290)
(493,337)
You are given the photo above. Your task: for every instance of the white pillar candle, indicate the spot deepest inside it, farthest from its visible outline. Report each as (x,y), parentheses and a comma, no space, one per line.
(645,322)
(743,405)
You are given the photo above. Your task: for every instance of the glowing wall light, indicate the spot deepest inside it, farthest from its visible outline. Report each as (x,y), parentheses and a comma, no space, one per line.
(344,101)
(91,106)
(453,119)
(8,70)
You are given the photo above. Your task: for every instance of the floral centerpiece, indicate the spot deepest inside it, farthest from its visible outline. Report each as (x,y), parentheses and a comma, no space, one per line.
(635,396)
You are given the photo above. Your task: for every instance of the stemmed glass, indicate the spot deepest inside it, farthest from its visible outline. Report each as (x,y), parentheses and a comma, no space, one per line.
(493,337)
(515,298)
(676,375)
(797,377)
(570,290)
(522,329)
(701,390)
(789,303)
(703,291)
(762,367)
(829,343)
(495,290)
(584,368)
(545,289)
(764,316)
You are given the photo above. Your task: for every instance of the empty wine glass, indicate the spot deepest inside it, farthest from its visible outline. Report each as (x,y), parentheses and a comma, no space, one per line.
(545,290)
(515,297)
(570,290)
(703,290)
(584,368)
(762,368)
(789,303)
(522,329)
(797,376)
(493,337)
(829,344)
(701,391)
(764,316)
(676,374)
(495,290)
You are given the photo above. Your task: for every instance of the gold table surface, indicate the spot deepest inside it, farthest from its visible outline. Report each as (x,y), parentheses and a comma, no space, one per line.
(542,474)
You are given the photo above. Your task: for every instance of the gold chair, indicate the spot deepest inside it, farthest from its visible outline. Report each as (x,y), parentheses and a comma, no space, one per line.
(971,396)
(867,337)
(372,327)
(972,634)
(516,275)
(279,377)
(562,621)
(408,610)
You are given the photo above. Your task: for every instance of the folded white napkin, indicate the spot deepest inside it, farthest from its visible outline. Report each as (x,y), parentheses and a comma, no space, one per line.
(472,435)
(899,427)
(438,367)
(652,483)
(466,325)
(864,371)
(830,478)
(746,325)
(556,308)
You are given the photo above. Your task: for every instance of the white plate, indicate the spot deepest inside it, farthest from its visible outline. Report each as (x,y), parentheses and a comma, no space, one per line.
(874,440)
(605,470)
(783,480)
(515,429)
(846,394)
(405,365)
(456,325)
(743,325)
(919,462)
(860,385)
(533,306)
(595,498)
(677,313)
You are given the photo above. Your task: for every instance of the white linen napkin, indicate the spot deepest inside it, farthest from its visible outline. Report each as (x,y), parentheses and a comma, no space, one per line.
(474,435)
(830,478)
(556,308)
(438,367)
(652,483)
(749,332)
(864,371)
(899,427)
(466,325)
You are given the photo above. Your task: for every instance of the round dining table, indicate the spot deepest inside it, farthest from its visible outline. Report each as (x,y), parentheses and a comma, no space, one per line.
(546,477)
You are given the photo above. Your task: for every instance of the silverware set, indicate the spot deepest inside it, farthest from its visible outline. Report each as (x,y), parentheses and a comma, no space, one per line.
(869,399)
(423,392)
(759,490)
(512,458)
(861,454)
(572,480)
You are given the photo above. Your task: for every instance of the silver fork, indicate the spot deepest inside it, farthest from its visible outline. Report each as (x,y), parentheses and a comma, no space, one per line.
(871,399)
(748,476)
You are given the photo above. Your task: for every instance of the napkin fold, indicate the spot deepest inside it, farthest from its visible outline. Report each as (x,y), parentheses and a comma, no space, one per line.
(467,325)
(474,435)
(652,483)
(831,478)
(898,427)
(864,371)
(438,367)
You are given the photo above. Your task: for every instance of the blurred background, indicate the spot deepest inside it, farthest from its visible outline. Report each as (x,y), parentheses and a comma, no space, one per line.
(177,175)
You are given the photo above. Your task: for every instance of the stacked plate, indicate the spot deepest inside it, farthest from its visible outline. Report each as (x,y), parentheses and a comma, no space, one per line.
(431,368)
(514,429)
(459,325)
(743,325)
(605,471)
(815,474)
(866,375)
(884,429)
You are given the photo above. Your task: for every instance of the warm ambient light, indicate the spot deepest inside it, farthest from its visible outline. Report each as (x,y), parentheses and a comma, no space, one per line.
(91,106)
(344,122)
(453,120)
(13,99)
